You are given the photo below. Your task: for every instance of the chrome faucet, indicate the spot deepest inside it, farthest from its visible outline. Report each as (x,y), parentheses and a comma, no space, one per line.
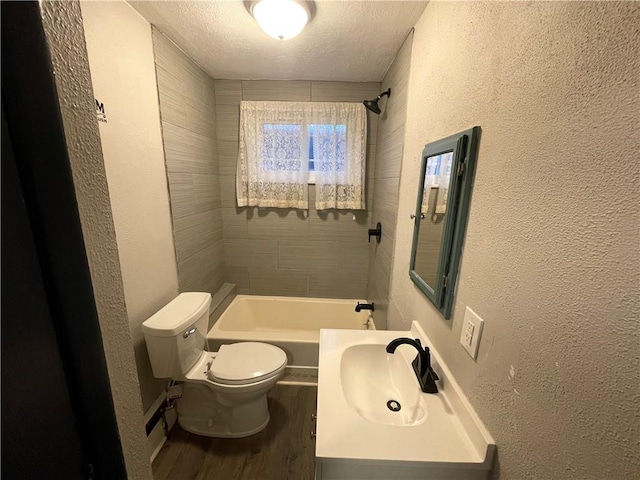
(421,364)
(364,306)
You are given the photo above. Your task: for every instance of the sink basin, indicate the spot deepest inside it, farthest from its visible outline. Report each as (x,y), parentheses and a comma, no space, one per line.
(381,387)
(359,437)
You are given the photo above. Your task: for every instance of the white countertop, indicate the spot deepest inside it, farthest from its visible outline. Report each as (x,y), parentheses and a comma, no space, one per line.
(450,434)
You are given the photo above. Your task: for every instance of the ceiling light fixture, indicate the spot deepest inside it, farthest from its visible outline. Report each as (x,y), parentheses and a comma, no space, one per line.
(281,19)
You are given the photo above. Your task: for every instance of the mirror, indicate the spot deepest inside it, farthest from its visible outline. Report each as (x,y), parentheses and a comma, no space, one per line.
(442,206)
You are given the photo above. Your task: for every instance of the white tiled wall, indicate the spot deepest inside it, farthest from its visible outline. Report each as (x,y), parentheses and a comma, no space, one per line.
(389,148)
(284,252)
(263,251)
(187,107)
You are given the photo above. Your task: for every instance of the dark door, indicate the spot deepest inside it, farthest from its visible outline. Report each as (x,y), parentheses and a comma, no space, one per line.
(39,434)
(58,417)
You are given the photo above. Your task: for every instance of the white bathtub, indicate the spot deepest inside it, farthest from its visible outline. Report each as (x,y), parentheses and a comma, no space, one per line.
(291,323)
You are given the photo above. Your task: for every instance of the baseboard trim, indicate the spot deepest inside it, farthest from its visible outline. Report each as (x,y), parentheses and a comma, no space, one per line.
(154,407)
(300,376)
(155,441)
(156,437)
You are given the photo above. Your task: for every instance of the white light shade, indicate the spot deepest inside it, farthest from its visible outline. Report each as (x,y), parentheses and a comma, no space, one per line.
(281,19)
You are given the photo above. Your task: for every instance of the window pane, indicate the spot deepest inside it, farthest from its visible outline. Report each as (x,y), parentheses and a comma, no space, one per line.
(282,147)
(312,164)
(328,147)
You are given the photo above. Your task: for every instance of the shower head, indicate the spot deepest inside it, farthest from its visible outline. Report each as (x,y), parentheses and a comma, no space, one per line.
(372,105)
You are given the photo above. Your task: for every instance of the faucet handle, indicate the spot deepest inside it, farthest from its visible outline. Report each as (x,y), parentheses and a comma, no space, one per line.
(430,369)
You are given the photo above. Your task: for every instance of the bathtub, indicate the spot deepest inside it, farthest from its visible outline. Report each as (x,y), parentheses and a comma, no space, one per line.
(291,323)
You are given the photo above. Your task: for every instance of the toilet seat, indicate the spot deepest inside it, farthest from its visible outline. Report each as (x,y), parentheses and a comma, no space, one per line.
(246,362)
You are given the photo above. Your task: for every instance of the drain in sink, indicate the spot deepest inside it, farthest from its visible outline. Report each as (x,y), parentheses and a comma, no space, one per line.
(393,405)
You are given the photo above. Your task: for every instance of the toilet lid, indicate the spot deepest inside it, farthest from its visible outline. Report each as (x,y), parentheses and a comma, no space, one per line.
(246,361)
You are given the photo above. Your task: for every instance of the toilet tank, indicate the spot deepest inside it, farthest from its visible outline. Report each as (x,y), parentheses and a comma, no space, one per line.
(176,334)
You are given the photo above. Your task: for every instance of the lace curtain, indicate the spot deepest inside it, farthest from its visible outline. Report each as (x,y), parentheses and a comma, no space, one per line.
(339,148)
(280,141)
(272,166)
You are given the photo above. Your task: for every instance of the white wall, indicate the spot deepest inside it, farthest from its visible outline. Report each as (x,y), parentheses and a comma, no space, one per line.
(551,258)
(64,31)
(122,67)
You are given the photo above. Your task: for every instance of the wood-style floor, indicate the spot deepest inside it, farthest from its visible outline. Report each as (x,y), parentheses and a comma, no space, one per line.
(282,451)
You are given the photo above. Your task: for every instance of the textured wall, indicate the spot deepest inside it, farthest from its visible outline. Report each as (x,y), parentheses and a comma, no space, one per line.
(120,53)
(282,252)
(551,258)
(187,107)
(64,30)
(389,150)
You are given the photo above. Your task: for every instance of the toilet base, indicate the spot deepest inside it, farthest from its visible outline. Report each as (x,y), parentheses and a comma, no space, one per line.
(201,428)
(201,411)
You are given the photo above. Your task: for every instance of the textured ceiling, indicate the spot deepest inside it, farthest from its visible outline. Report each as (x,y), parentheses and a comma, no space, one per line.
(347,40)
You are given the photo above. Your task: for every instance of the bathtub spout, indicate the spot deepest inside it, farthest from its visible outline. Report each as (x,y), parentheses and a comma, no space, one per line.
(364,306)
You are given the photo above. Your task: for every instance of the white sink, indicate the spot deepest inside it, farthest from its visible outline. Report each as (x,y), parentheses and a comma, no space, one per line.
(380,386)
(358,437)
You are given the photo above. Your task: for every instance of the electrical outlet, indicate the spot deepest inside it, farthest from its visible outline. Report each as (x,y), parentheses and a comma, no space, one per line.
(468,334)
(471,332)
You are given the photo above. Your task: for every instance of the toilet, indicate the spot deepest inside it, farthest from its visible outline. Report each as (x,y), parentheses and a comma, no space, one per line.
(225,392)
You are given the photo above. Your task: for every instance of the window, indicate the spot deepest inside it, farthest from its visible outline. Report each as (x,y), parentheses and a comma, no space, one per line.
(284,153)
(286,145)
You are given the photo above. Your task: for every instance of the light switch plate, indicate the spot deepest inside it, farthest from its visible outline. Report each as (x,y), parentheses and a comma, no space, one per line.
(471,332)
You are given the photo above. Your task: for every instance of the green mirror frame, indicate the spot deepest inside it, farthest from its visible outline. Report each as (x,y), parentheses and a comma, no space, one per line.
(464,146)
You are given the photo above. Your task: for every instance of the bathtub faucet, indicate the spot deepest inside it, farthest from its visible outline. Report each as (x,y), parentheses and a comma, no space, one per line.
(364,306)
(421,364)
